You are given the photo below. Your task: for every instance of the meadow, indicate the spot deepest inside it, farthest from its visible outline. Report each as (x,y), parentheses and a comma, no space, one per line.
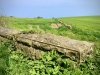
(85,28)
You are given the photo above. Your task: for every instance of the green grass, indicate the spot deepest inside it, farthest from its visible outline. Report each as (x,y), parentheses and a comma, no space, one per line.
(85,28)
(23,23)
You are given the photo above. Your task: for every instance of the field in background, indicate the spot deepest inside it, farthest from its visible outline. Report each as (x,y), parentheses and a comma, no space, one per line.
(85,28)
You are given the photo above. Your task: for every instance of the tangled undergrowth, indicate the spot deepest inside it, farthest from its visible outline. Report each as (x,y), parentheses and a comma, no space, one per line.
(15,62)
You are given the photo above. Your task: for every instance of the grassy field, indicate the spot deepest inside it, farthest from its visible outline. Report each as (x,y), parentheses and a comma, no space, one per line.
(85,28)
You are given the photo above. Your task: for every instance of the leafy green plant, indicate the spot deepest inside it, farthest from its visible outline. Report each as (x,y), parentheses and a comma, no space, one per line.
(51,63)
(4,59)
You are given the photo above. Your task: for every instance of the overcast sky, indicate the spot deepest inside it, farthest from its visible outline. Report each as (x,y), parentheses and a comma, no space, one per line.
(49,8)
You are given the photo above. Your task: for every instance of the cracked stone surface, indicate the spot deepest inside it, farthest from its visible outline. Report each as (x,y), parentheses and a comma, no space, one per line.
(35,44)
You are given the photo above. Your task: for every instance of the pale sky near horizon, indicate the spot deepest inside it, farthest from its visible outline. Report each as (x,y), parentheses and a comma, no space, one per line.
(50,8)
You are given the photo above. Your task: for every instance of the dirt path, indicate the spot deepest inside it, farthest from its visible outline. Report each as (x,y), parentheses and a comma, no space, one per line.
(38,27)
(30,27)
(53,25)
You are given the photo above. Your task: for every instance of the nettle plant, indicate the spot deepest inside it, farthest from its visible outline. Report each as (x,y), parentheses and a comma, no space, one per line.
(52,64)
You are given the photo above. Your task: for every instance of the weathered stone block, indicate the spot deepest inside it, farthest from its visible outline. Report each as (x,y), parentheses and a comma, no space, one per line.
(35,44)
(74,49)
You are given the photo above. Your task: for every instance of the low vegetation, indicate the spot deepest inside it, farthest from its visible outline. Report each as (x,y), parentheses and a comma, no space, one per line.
(17,63)
(86,28)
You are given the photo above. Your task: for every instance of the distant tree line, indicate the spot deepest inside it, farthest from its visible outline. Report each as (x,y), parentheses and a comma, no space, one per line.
(39,17)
